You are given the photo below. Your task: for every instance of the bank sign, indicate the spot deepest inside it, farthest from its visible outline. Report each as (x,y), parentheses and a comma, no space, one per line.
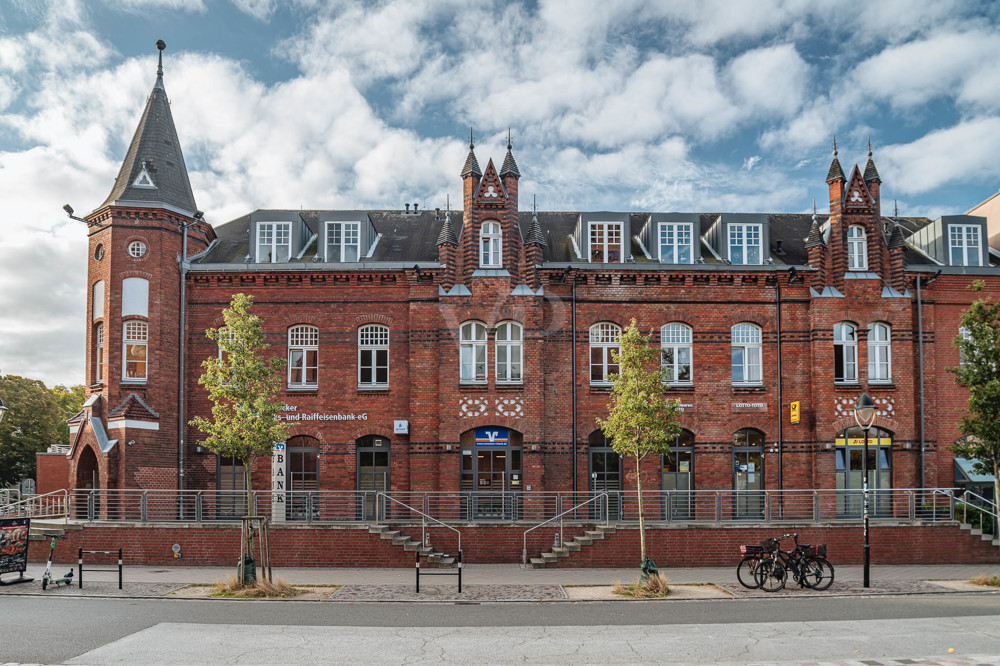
(492,437)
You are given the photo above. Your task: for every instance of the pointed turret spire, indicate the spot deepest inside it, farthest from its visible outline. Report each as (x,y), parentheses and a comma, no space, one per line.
(471,164)
(535,234)
(447,234)
(153,170)
(835,173)
(896,235)
(815,235)
(871,173)
(509,165)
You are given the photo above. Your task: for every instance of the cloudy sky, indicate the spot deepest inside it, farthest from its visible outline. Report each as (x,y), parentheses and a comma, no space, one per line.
(628,105)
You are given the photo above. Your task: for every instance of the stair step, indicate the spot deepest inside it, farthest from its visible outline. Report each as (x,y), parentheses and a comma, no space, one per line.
(446,563)
(389,534)
(377,529)
(606,530)
(976,532)
(414,546)
(560,552)
(402,540)
(549,557)
(537,563)
(986,537)
(583,540)
(571,545)
(595,534)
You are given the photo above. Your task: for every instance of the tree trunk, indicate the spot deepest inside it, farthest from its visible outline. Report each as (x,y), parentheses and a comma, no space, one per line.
(248,483)
(996,496)
(642,520)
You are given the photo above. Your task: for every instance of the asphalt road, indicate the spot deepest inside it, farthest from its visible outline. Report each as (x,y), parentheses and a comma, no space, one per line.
(53,630)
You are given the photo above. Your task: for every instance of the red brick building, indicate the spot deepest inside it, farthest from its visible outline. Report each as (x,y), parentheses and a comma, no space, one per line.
(468,350)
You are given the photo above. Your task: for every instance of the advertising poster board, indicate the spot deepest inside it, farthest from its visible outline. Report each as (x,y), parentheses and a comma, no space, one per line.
(14,547)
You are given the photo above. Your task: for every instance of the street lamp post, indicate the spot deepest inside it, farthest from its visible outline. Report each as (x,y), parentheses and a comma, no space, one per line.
(864,416)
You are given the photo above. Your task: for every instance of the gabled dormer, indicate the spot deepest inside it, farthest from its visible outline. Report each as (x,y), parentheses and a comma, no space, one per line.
(603,237)
(954,240)
(741,239)
(278,236)
(345,236)
(672,238)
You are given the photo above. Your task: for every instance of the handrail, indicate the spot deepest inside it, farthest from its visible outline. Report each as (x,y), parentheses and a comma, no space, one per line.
(423,521)
(36,500)
(983,507)
(562,533)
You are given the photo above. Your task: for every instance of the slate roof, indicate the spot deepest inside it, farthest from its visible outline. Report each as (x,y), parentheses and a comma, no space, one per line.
(405,237)
(155,145)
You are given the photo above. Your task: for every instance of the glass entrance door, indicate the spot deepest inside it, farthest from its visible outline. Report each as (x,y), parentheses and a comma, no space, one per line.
(748,473)
(491,473)
(605,476)
(850,466)
(373,473)
(303,478)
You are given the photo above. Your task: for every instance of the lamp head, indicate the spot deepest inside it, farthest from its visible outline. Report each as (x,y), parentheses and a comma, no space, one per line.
(68,209)
(864,411)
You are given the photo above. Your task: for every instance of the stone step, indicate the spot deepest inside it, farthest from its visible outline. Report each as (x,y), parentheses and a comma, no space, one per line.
(571,545)
(549,557)
(446,563)
(560,552)
(606,530)
(976,532)
(583,540)
(389,534)
(414,546)
(537,563)
(594,534)
(377,529)
(401,540)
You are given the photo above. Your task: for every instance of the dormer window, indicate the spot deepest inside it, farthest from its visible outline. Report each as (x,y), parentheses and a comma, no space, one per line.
(490,245)
(964,245)
(744,244)
(605,242)
(675,243)
(857,248)
(342,241)
(274,242)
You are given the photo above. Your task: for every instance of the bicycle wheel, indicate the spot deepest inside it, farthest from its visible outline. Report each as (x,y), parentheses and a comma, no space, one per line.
(746,571)
(817,573)
(771,575)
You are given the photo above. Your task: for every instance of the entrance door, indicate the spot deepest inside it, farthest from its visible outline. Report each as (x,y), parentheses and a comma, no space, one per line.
(850,466)
(491,474)
(748,473)
(373,473)
(303,478)
(605,476)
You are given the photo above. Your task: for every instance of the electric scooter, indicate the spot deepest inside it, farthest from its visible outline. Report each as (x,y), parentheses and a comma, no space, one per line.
(67,577)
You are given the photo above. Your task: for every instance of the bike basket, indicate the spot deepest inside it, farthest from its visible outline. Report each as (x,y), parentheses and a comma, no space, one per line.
(751,550)
(769,545)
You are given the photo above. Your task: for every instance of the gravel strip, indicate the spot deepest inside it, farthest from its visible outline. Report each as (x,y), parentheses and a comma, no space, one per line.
(449,593)
(94,589)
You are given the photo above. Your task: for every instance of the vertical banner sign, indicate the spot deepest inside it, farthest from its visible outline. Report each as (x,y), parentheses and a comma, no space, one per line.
(794,411)
(279,481)
(14,544)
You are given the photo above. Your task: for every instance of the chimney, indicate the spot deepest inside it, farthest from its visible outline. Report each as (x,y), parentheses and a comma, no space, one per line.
(407,208)
(437,213)
(415,208)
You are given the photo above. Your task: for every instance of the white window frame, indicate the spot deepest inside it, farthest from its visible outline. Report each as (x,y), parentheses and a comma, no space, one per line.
(740,236)
(879,352)
(99,352)
(97,298)
(373,356)
(473,357)
(491,245)
(857,248)
(135,351)
(604,337)
(746,355)
(605,239)
(964,334)
(673,237)
(509,352)
(966,239)
(345,231)
(137,249)
(845,348)
(303,357)
(676,357)
(270,237)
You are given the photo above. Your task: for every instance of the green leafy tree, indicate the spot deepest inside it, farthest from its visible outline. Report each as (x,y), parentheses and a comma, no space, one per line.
(979,372)
(641,419)
(70,400)
(32,424)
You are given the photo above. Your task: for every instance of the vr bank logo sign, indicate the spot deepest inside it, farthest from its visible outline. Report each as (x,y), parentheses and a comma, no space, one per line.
(492,437)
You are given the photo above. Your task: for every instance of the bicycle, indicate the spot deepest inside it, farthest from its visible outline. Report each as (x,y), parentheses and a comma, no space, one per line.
(808,566)
(746,570)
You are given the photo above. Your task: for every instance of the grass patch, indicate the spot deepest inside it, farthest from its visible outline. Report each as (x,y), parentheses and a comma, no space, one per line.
(991,581)
(279,588)
(656,588)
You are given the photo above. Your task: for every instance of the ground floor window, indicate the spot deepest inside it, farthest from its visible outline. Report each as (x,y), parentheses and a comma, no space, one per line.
(231,483)
(850,466)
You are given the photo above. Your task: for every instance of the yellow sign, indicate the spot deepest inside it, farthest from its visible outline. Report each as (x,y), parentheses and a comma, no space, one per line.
(860,441)
(795,411)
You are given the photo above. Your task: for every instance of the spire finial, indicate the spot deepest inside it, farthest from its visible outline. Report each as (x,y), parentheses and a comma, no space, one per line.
(534,203)
(160,45)
(814,209)
(834,144)
(869,146)
(508,138)
(895,214)
(472,144)
(448,200)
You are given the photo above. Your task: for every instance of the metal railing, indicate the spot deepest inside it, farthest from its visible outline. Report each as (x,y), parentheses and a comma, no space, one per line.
(701,506)
(386,500)
(562,530)
(985,508)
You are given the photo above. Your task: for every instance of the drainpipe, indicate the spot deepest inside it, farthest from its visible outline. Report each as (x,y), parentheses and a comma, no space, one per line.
(781,405)
(181,379)
(920,361)
(573,444)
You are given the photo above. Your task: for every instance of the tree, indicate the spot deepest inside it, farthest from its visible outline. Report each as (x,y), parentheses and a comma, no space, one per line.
(641,419)
(34,422)
(242,384)
(979,371)
(70,400)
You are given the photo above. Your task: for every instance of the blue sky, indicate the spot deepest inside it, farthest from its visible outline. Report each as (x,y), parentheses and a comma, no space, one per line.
(669,106)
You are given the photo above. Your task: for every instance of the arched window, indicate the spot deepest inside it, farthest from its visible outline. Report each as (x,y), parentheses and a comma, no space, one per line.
(135,297)
(373,356)
(472,343)
(603,340)
(509,352)
(857,248)
(97,302)
(845,353)
(676,357)
(134,346)
(490,245)
(99,353)
(303,357)
(746,354)
(879,353)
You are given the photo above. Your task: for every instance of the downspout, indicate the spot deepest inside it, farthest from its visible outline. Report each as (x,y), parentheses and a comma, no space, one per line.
(920,365)
(573,443)
(182,334)
(781,405)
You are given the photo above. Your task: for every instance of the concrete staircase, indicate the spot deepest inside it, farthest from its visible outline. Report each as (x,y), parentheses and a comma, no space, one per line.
(567,548)
(41,527)
(974,531)
(408,543)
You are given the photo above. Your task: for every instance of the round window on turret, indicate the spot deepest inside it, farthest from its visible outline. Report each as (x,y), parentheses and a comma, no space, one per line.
(136,249)
(99,252)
